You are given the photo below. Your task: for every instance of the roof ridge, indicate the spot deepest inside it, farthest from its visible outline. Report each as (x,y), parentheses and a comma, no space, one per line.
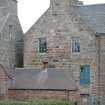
(92,5)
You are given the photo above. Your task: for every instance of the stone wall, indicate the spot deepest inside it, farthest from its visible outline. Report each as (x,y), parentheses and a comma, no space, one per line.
(28,95)
(11,43)
(11,40)
(101,75)
(58,26)
(3,83)
(10,6)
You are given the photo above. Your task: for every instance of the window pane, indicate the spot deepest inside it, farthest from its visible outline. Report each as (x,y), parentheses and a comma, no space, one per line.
(42,45)
(10,31)
(76,44)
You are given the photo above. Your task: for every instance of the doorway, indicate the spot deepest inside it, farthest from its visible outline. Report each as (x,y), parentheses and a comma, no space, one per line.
(84,99)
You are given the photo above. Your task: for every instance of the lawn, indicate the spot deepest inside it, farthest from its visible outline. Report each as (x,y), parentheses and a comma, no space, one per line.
(36,103)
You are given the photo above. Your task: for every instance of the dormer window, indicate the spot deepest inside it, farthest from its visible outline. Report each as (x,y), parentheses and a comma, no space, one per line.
(42,45)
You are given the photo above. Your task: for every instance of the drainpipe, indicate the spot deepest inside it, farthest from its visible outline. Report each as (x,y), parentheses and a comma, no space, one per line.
(67,95)
(99,41)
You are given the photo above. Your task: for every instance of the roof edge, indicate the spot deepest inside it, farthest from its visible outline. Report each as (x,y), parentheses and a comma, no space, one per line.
(44,89)
(98,4)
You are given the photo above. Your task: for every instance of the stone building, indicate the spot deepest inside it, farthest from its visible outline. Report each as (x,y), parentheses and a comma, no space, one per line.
(71,35)
(11,39)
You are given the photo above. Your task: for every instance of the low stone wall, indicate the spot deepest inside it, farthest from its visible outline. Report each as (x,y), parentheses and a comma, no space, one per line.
(28,95)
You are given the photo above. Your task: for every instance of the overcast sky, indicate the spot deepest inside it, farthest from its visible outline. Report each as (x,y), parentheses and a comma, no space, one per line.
(30,10)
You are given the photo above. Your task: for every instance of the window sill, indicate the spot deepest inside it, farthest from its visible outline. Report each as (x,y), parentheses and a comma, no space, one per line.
(75,53)
(42,53)
(85,85)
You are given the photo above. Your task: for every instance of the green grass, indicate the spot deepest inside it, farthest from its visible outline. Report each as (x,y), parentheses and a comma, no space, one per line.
(36,103)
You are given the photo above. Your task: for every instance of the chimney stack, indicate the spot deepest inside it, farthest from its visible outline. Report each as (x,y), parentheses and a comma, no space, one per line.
(63,3)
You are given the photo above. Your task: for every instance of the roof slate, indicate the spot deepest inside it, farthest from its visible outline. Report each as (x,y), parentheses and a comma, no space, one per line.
(60,79)
(3,17)
(93,16)
(3,21)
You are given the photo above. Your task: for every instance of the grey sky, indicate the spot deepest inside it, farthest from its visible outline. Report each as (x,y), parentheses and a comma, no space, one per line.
(30,10)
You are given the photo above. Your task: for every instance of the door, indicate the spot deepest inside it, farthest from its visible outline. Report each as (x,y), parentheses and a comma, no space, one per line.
(84,99)
(85,75)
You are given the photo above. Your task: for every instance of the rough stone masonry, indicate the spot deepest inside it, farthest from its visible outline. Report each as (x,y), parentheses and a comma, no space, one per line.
(59,25)
(69,34)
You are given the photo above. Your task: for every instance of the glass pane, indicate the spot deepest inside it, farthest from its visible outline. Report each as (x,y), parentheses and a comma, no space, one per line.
(42,45)
(76,44)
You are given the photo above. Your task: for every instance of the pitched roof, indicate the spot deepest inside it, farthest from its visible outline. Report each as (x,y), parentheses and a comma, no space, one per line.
(93,16)
(3,17)
(60,79)
(3,21)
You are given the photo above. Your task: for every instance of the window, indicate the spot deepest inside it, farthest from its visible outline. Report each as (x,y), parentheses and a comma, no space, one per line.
(42,45)
(85,75)
(10,31)
(76,45)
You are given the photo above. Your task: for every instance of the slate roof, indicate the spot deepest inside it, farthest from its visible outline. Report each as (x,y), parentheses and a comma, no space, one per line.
(93,16)
(57,79)
(3,21)
(3,18)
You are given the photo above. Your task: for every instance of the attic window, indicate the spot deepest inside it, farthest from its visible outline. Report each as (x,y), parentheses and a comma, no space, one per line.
(10,31)
(42,45)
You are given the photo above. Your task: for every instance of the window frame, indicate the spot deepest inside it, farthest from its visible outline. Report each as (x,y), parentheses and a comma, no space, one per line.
(39,46)
(10,31)
(73,52)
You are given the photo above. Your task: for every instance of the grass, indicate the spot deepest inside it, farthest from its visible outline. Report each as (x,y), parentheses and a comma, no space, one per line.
(36,103)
